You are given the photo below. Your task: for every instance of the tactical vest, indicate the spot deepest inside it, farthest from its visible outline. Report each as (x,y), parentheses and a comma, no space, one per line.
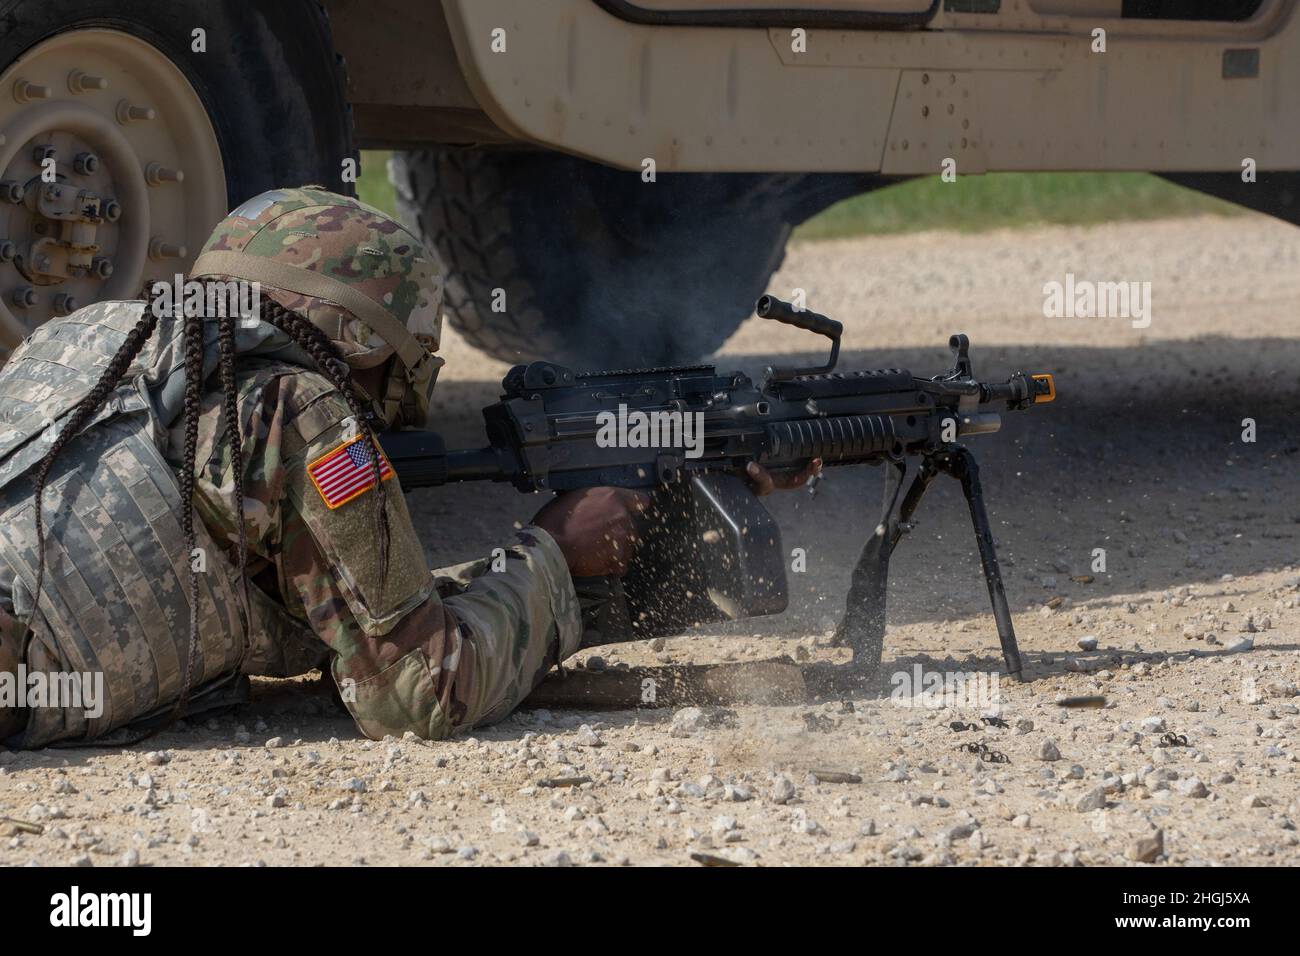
(115,598)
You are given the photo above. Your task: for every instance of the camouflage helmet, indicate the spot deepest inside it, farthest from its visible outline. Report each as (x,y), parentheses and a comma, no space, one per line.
(353,272)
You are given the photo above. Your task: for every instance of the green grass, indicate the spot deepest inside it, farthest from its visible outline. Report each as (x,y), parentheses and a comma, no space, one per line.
(971,204)
(373,186)
(1001,200)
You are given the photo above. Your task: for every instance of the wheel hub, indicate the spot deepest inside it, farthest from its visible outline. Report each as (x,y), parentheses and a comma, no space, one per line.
(60,227)
(110,176)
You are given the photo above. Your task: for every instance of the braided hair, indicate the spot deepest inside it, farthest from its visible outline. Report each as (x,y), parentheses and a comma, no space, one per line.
(329,362)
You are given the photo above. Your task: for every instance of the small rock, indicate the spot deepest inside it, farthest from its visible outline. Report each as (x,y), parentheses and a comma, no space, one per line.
(783,790)
(686,722)
(1094,799)
(960,831)
(1147,849)
(439,844)
(1280,688)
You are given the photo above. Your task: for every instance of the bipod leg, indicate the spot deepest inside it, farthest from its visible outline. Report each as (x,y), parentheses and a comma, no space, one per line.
(863,625)
(960,463)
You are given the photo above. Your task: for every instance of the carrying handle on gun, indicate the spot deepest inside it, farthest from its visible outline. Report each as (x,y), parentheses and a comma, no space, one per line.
(770,307)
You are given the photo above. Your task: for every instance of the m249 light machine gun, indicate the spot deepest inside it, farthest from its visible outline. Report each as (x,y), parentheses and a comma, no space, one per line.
(710,550)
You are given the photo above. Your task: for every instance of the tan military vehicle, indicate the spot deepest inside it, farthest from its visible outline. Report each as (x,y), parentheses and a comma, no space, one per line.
(606,180)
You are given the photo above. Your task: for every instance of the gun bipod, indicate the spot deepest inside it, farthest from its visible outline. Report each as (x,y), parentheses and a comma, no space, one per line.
(863,626)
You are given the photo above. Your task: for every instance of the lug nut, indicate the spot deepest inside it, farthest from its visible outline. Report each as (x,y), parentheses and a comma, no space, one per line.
(65,304)
(155,174)
(24,297)
(112,210)
(11,191)
(80,82)
(86,163)
(25,92)
(7,250)
(128,113)
(101,268)
(42,152)
(165,250)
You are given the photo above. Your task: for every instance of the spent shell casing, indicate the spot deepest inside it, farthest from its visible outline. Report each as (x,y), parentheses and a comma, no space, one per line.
(551,782)
(1083,703)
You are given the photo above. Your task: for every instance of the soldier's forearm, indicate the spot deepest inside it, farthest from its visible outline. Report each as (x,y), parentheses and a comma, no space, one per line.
(471,657)
(520,615)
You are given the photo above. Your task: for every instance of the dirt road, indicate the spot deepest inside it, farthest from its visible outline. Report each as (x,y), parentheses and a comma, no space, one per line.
(1191,628)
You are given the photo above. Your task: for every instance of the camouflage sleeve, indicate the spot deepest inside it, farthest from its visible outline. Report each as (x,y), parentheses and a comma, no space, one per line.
(403,658)
(450,663)
(519,615)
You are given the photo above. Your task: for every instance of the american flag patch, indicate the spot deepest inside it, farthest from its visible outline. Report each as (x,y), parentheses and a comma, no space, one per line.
(347,471)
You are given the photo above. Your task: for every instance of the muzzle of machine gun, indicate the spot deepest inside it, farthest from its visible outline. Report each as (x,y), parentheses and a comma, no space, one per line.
(1022,390)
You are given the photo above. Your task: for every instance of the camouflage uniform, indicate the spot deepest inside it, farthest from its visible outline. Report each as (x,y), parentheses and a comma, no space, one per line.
(415,651)
(426,653)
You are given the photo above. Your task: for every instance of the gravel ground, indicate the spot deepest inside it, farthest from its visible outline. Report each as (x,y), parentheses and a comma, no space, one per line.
(1191,629)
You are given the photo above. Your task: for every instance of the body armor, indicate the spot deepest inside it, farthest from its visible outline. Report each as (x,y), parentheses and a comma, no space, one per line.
(115,567)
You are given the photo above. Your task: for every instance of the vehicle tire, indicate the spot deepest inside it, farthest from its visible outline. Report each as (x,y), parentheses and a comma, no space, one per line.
(592,266)
(262,105)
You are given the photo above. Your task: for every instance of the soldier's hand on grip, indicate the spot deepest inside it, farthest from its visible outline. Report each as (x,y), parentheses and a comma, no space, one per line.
(764,482)
(596,528)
